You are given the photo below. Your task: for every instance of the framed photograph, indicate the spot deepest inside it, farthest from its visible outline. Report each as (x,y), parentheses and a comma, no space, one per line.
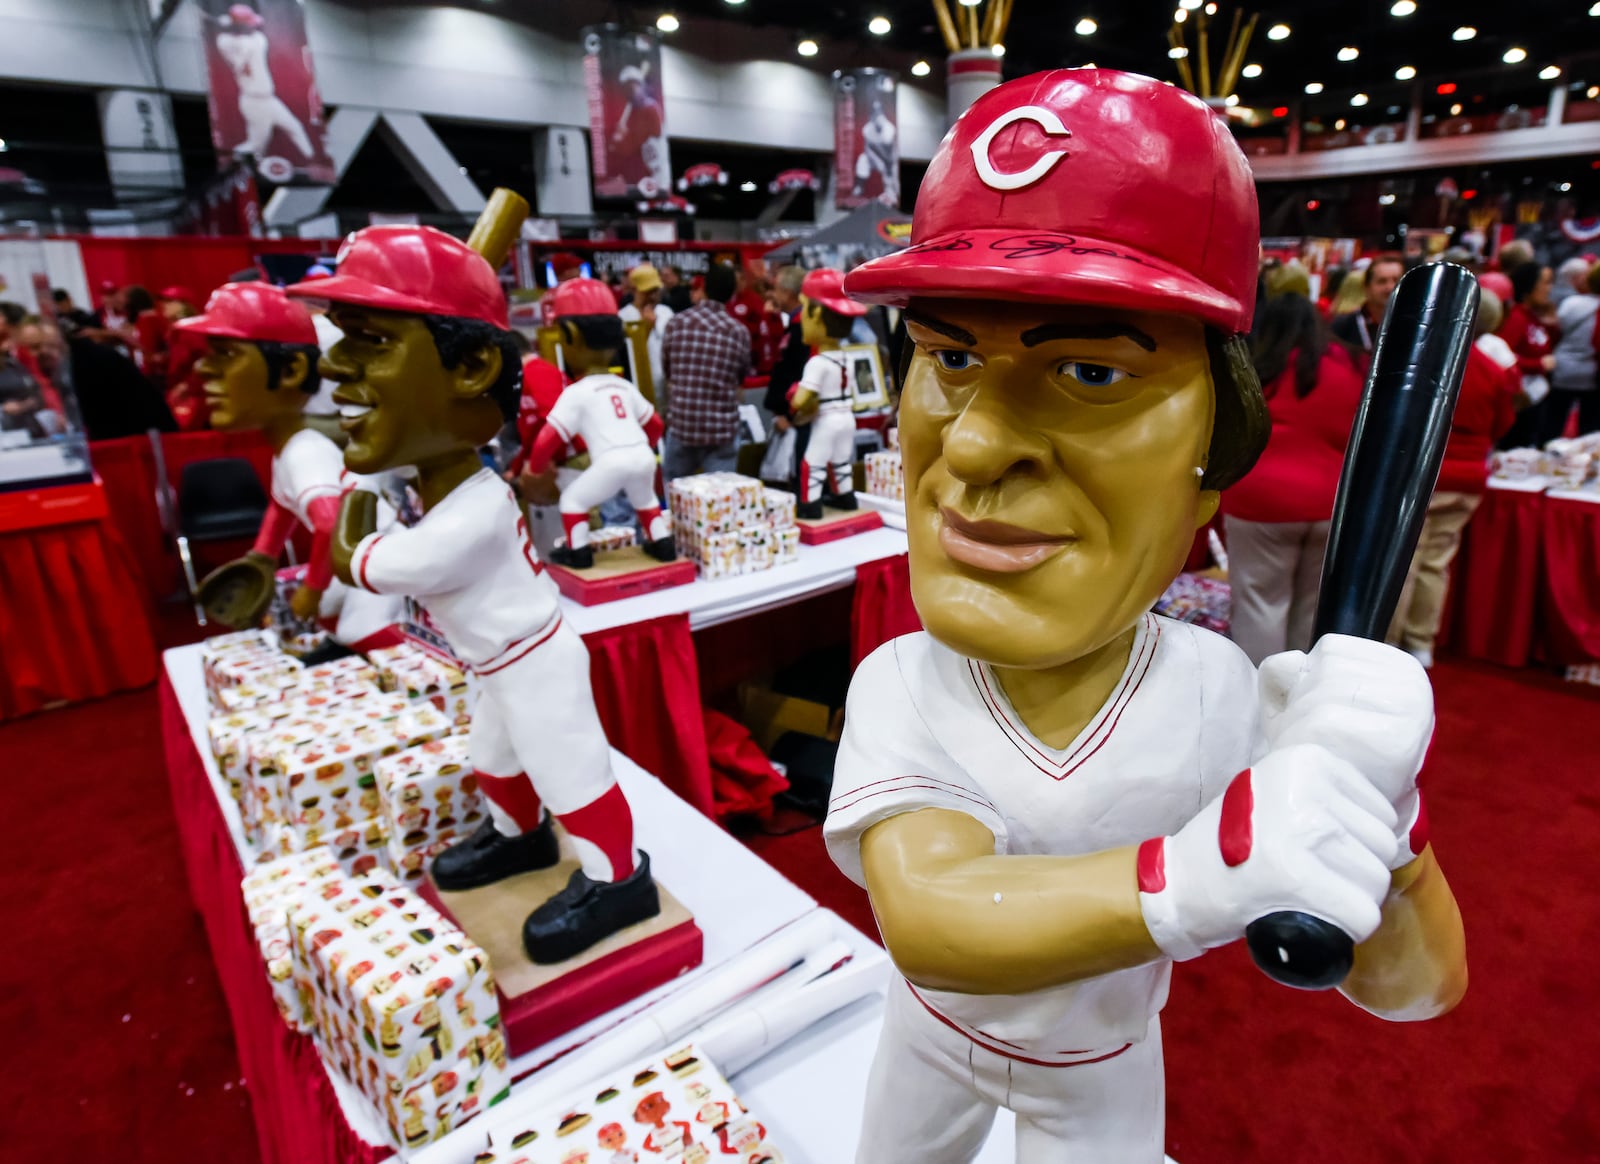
(866,366)
(751,430)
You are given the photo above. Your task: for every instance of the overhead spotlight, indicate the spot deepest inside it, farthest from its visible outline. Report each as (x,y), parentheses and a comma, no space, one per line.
(998,50)
(667,22)
(1313,86)
(1592,92)
(806,48)
(1211,9)
(1086,27)
(1190,5)
(1250,71)
(1278,32)
(1455,110)
(970,3)
(1515,56)
(1594,10)
(1385,199)
(1565,186)
(921,69)
(3,146)
(1549,72)
(1340,124)
(1405,73)
(1231,100)
(1402,8)
(748,187)
(1349,53)
(1465,32)
(879,26)
(1177,52)
(733,3)
(1180,16)
(1359,99)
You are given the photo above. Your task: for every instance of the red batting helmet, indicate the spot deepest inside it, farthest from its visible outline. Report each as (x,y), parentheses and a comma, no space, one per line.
(580,297)
(244,16)
(415,269)
(1083,186)
(252,311)
(827,288)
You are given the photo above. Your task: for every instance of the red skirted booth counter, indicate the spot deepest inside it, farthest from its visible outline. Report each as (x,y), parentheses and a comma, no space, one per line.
(74,621)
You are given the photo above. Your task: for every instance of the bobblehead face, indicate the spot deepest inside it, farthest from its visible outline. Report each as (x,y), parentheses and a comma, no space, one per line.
(399,404)
(581,359)
(236,385)
(1049,456)
(814,325)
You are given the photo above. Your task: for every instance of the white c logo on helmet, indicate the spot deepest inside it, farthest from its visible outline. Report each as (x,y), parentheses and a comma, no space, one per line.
(1046,120)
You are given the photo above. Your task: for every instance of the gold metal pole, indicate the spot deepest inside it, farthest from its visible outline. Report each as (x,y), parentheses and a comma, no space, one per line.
(1204,48)
(991,21)
(1185,73)
(1005,23)
(972,25)
(947,26)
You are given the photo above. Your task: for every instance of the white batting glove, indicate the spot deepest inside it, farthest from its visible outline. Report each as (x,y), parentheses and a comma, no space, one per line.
(1369,704)
(1302,830)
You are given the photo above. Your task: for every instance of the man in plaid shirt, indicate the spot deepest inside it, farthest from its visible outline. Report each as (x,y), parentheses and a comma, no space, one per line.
(705,354)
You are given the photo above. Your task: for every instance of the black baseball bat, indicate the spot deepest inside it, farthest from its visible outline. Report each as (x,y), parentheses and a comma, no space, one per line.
(1390,468)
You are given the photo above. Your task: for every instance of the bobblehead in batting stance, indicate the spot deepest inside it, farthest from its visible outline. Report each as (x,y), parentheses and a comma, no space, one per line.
(1052,794)
(427,374)
(824,397)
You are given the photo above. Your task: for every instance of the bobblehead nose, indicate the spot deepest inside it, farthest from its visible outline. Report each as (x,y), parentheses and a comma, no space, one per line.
(987,443)
(336,365)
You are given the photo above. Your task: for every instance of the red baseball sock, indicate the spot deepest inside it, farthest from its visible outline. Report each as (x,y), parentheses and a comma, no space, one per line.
(648,519)
(514,796)
(389,636)
(572,523)
(606,823)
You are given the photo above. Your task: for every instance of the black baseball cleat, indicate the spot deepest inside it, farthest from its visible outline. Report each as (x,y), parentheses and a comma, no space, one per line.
(488,856)
(579,559)
(587,911)
(841,500)
(809,510)
(662,550)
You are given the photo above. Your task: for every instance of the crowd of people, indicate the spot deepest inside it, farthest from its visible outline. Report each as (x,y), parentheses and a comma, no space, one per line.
(1530,378)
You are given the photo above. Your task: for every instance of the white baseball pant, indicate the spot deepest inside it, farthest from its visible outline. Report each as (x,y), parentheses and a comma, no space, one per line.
(933,1094)
(264,114)
(359,614)
(829,455)
(630,470)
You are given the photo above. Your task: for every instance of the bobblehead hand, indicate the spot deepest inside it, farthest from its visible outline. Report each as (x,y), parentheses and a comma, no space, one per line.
(1369,704)
(305,602)
(358,517)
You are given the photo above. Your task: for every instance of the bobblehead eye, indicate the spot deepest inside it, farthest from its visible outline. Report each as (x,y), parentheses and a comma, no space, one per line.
(1093,375)
(958,359)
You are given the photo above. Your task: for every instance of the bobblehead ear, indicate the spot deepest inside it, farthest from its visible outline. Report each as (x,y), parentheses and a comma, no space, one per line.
(293,376)
(569,332)
(1206,507)
(477,372)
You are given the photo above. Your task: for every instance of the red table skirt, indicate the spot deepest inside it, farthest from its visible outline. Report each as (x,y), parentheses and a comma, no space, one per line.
(882,608)
(298,1119)
(74,622)
(1571,594)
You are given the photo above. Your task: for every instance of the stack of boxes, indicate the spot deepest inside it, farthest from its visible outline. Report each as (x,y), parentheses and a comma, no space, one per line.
(886,476)
(729,525)
(417,674)
(247,658)
(430,799)
(402,1003)
(612,537)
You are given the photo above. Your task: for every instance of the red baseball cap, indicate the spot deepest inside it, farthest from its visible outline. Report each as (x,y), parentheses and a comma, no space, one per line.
(245,15)
(580,297)
(178,292)
(252,311)
(415,269)
(1084,186)
(1497,284)
(827,288)
(563,261)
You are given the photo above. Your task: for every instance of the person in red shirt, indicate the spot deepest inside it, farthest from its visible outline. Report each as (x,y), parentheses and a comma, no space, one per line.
(1276,519)
(1484,411)
(749,307)
(542,384)
(1531,342)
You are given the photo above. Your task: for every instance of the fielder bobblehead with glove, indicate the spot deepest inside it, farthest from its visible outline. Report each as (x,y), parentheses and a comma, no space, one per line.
(427,374)
(1051,794)
(258,372)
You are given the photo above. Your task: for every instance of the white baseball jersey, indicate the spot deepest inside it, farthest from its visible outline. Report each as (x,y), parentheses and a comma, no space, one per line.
(469,562)
(308,466)
(831,377)
(606,411)
(246,54)
(928,728)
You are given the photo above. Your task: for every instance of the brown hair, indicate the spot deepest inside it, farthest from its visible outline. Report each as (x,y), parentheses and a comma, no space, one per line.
(1381,257)
(1241,425)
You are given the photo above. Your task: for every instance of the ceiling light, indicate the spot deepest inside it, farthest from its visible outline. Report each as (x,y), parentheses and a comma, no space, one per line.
(1405,73)
(1087,65)
(879,26)
(1312,204)
(748,187)
(1086,27)
(1465,32)
(1455,111)
(1189,5)
(1445,89)
(970,3)
(1278,32)
(1549,72)
(1231,100)
(1340,124)
(3,146)
(1281,111)
(1594,10)
(1349,53)
(1313,86)
(1592,92)
(1180,16)
(806,48)
(1359,99)
(1565,186)
(1177,52)
(921,69)
(998,50)
(1251,71)
(1385,199)
(1515,56)
(1211,9)
(1402,8)
(735,3)
(667,22)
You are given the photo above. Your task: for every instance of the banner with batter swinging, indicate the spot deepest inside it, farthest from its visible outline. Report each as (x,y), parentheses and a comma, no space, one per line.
(866,139)
(627,114)
(265,107)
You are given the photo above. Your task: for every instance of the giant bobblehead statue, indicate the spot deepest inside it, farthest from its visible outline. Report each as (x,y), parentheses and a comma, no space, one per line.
(427,374)
(1052,794)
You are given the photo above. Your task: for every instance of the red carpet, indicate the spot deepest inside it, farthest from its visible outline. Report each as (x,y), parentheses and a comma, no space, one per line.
(1257,1073)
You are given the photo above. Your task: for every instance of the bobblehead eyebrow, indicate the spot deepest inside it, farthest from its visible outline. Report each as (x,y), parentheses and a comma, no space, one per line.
(960,334)
(1046,332)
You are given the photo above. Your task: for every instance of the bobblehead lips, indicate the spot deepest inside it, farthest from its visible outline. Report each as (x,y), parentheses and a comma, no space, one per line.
(1050,454)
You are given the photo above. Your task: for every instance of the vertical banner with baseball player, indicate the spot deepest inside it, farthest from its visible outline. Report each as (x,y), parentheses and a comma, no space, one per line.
(263,90)
(627,119)
(866,139)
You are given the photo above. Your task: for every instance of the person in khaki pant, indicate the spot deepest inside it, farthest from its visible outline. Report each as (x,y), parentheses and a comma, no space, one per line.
(1484,412)
(1276,519)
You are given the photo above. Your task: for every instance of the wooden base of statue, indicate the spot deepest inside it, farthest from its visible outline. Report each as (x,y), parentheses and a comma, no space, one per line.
(540,1003)
(835,524)
(616,574)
